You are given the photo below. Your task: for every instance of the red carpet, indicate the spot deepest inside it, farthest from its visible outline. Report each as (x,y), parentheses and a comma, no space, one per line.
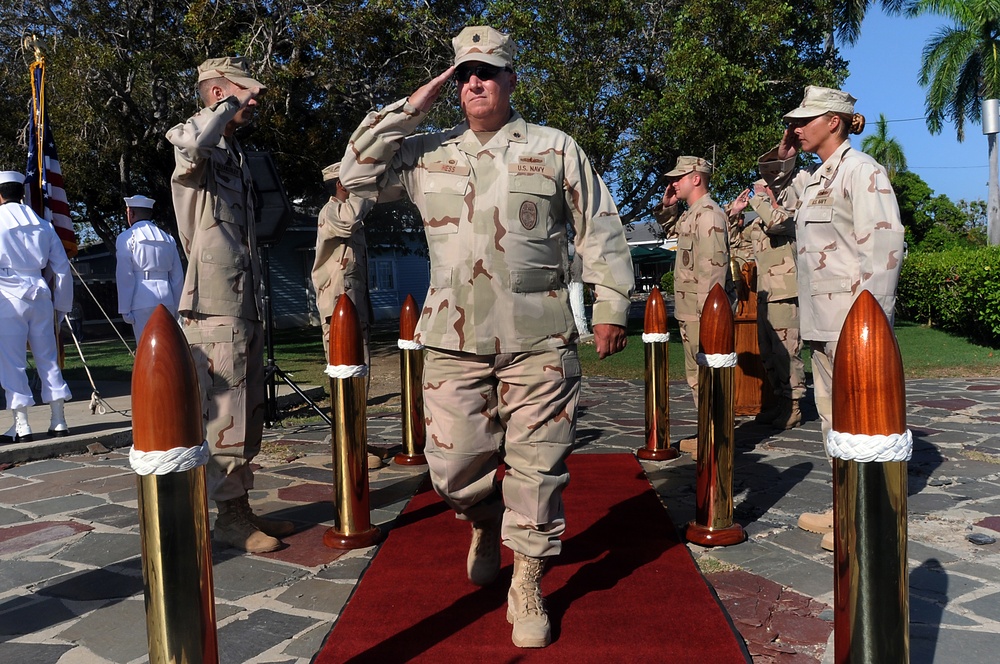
(624,589)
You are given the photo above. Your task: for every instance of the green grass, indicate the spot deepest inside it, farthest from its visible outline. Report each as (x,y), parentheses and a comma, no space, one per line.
(927,353)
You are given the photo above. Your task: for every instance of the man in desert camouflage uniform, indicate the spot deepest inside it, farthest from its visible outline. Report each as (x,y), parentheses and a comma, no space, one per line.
(221,301)
(771,239)
(702,233)
(848,231)
(341,264)
(502,377)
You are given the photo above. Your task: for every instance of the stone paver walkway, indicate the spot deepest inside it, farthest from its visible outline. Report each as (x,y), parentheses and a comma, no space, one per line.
(71,581)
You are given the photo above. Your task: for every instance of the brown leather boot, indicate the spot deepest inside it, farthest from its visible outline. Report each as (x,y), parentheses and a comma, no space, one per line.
(790,415)
(273,527)
(483,563)
(525,606)
(234,527)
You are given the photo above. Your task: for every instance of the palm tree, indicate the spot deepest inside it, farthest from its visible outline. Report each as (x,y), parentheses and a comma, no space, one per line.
(885,149)
(960,67)
(848,15)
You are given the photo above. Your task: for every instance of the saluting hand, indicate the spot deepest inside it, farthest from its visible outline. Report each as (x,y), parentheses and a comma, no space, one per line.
(246,95)
(427,94)
(789,145)
(741,202)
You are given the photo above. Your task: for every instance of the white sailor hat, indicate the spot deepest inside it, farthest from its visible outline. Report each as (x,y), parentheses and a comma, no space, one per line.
(139,202)
(11,176)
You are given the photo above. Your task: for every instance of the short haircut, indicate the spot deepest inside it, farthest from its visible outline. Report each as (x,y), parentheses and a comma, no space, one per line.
(12,191)
(204,87)
(142,213)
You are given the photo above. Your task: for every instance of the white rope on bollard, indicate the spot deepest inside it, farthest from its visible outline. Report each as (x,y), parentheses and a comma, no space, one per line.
(717,360)
(406,344)
(655,337)
(346,370)
(175,460)
(867,449)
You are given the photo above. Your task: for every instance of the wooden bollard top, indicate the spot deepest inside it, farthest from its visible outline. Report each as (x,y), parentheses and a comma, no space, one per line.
(655,321)
(869,396)
(408,316)
(718,333)
(166,401)
(346,343)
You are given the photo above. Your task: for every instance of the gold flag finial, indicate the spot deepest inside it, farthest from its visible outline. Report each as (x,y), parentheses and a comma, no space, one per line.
(33,43)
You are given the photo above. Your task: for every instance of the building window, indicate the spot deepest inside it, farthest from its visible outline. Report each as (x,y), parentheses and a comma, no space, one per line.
(381,276)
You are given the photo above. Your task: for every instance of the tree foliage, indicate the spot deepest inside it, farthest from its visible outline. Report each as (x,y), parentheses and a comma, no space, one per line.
(934,222)
(960,64)
(885,149)
(637,83)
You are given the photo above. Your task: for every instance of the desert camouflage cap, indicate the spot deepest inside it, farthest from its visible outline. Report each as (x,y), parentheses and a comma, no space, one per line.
(481,43)
(331,172)
(234,69)
(819,101)
(686,164)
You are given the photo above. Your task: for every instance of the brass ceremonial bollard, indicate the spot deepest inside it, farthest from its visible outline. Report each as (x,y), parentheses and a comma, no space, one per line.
(411,371)
(348,404)
(169,454)
(870,446)
(713,524)
(655,338)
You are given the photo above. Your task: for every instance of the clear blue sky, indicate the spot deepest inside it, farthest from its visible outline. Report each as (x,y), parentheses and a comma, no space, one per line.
(885,66)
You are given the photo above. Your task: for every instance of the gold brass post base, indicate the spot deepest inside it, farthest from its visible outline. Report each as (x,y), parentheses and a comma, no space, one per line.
(665,454)
(338,540)
(705,536)
(404,459)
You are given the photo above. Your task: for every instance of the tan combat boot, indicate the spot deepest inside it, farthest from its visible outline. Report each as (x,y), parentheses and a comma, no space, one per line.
(273,527)
(234,527)
(525,607)
(817,523)
(790,416)
(483,563)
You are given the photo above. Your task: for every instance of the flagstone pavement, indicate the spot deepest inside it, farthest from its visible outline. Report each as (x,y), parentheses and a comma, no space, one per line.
(71,587)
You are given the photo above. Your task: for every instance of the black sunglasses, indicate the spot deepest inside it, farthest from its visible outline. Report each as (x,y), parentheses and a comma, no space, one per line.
(482,72)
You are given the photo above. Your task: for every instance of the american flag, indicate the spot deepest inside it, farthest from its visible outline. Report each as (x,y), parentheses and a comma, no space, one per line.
(43,183)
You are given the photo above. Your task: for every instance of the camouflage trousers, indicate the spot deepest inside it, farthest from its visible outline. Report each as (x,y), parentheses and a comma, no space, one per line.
(690,330)
(518,409)
(822,365)
(228,356)
(781,346)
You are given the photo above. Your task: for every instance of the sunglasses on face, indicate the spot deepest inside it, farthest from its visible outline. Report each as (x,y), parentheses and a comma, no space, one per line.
(482,72)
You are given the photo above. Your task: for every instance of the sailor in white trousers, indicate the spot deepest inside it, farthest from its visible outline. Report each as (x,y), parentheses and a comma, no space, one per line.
(149,271)
(30,251)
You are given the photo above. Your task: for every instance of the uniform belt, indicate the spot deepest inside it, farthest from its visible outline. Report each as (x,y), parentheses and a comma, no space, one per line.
(13,272)
(155,274)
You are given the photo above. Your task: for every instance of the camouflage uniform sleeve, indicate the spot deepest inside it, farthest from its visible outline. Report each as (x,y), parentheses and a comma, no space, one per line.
(711,252)
(877,227)
(776,219)
(667,218)
(780,176)
(377,152)
(600,238)
(193,143)
(338,218)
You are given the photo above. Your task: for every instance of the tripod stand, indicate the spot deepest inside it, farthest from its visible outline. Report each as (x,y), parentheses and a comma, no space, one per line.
(271,368)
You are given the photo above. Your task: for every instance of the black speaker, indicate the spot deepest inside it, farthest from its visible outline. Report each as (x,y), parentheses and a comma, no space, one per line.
(273,211)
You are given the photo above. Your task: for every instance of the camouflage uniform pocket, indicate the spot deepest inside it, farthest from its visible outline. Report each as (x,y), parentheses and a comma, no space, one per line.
(222,274)
(444,197)
(528,204)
